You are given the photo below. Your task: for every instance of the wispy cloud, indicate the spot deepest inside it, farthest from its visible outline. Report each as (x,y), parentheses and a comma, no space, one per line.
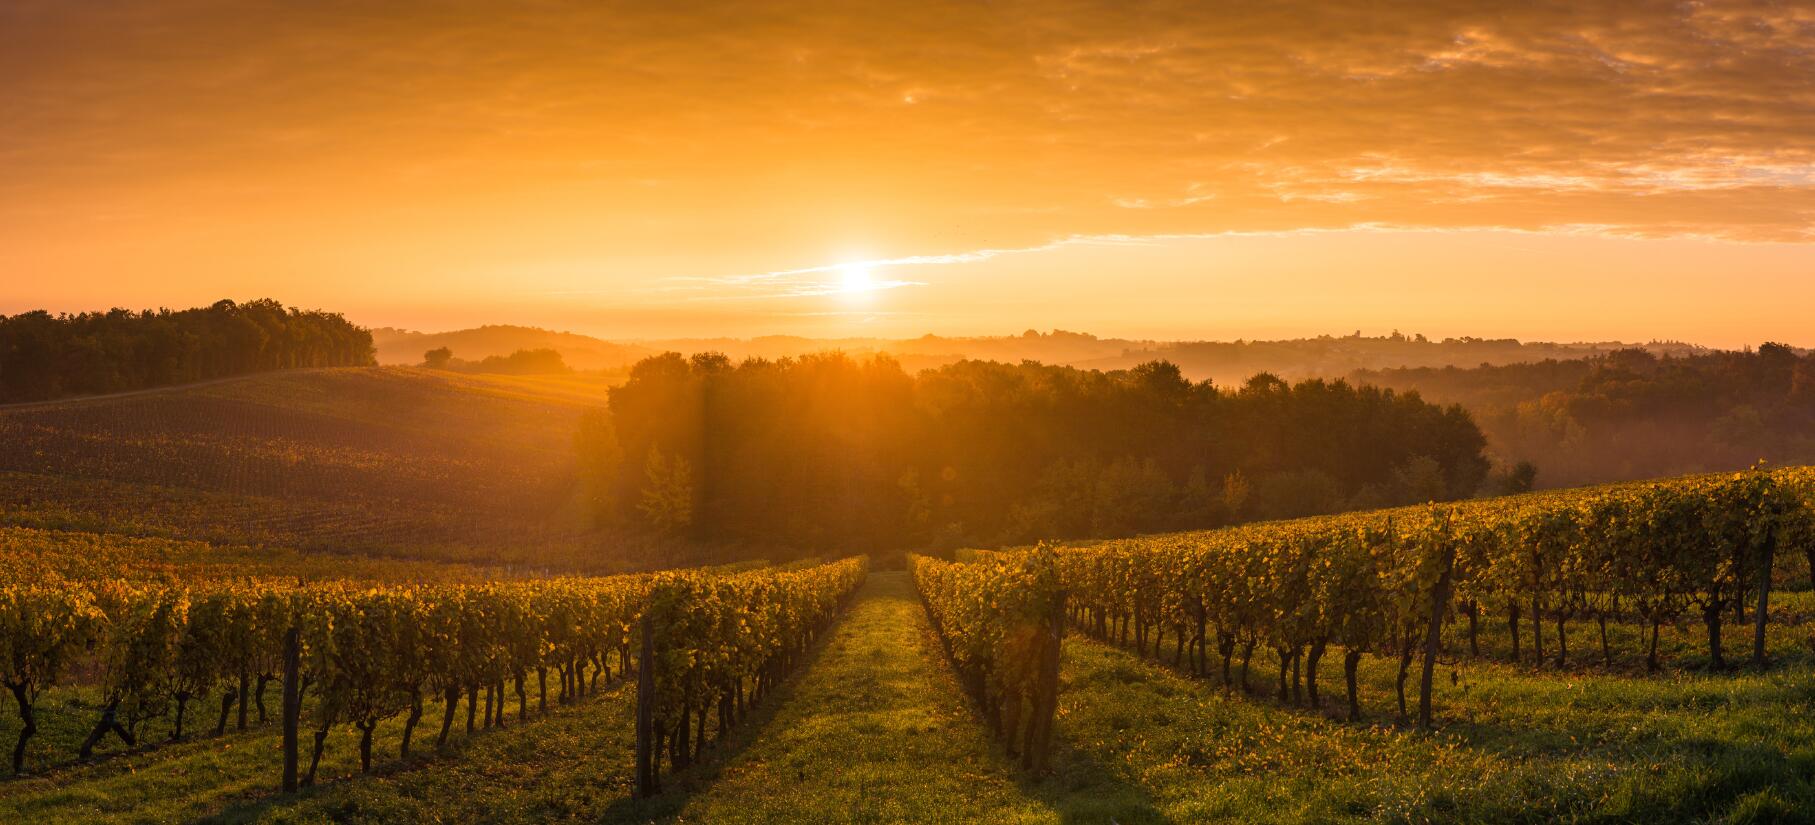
(829,279)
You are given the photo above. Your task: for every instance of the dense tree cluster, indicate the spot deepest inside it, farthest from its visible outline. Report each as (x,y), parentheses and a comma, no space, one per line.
(831,451)
(1633,414)
(522,362)
(44,356)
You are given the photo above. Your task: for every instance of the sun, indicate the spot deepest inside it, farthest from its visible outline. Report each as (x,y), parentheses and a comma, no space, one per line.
(855,278)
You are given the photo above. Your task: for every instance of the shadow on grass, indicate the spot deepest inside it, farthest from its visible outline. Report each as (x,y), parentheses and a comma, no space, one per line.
(1722,765)
(124,759)
(426,756)
(677,788)
(1599,747)
(1083,789)
(1077,786)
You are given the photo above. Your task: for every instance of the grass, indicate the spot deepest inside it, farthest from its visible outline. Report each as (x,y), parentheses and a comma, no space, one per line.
(574,766)
(1589,742)
(1511,745)
(234,778)
(875,731)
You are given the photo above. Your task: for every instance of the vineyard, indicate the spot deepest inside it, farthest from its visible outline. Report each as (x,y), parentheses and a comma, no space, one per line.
(221,651)
(1386,583)
(1633,652)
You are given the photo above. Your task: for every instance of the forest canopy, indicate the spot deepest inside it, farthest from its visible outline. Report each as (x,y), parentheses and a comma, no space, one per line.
(1633,413)
(831,451)
(45,356)
(542,361)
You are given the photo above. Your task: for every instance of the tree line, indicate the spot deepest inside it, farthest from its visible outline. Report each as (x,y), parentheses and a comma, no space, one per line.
(542,361)
(1633,413)
(831,451)
(45,356)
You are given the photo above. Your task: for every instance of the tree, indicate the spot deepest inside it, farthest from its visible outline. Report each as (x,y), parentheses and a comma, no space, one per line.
(43,357)
(667,492)
(600,461)
(813,451)
(438,358)
(1519,478)
(1420,480)
(1130,497)
(1235,495)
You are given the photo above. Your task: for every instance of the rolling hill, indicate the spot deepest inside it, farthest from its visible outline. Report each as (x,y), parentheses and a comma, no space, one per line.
(387,461)
(1225,362)
(400,346)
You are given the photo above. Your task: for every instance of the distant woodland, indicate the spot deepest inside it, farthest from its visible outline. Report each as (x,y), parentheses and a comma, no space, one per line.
(1634,414)
(831,451)
(45,356)
(522,362)
(1225,362)
(851,451)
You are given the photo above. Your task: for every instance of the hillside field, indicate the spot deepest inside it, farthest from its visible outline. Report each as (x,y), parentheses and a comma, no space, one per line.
(391,461)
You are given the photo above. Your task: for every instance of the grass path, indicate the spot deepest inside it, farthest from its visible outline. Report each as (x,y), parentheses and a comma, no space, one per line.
(875,731)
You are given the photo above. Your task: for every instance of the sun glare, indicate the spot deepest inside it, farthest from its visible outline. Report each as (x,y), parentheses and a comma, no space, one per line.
(855,278)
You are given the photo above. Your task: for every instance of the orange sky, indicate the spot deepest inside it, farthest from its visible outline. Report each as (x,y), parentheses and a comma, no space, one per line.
(1569,170)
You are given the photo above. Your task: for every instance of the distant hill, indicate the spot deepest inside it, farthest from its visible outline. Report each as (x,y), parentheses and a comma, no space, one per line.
(387,461)
(1633,414)
(398,346)
(1335,357)
(1225,362)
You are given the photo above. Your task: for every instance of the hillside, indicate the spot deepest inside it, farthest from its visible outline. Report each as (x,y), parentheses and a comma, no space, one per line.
(1227,363)
(381,460)
(1632,414)
(400,346)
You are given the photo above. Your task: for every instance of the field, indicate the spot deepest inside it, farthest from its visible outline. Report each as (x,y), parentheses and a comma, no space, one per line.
(350,495)
(386,461)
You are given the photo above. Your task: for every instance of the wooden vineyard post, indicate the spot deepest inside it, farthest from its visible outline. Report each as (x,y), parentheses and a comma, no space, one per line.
(646,779)
(292,703)
(1038,750)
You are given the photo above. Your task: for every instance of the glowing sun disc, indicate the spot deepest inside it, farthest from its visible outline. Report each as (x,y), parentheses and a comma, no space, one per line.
(855,278)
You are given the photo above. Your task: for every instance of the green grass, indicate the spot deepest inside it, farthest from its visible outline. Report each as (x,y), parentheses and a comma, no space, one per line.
(875,731)
(235,777)
(574,766)
(1511,745)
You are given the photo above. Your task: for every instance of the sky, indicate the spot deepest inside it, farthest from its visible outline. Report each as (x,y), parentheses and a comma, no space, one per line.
(1547,171)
